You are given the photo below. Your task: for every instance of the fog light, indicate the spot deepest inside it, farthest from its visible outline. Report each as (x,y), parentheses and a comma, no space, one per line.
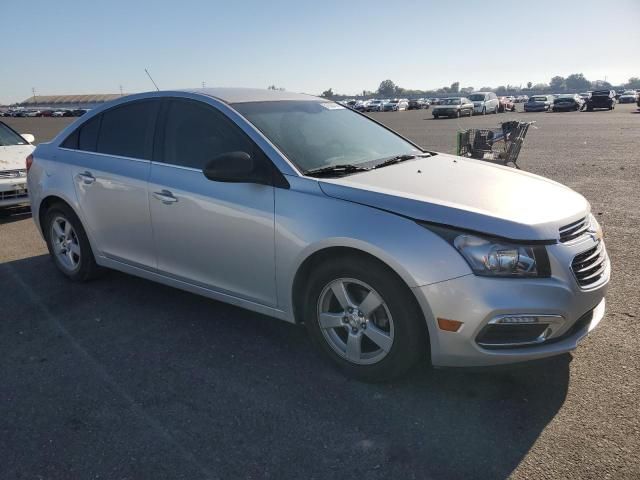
(510,331)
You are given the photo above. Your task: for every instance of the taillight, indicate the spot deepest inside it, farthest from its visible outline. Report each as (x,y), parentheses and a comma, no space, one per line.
(29,162)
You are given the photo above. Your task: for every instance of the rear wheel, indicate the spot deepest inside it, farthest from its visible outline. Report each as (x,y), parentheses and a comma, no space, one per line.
(457,113)
(484,110)
(68,243)
(364,319)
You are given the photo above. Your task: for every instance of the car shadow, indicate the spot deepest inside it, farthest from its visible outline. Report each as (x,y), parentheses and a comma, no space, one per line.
(14,214)
(132,365)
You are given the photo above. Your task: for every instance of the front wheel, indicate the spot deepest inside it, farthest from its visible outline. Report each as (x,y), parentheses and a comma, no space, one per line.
(484,110)
(364,319)
(457,113)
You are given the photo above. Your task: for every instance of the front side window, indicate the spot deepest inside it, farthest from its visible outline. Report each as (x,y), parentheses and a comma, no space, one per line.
(127,130)
(315,134)
(196,133)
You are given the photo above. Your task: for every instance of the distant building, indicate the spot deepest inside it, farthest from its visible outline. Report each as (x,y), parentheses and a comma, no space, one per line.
(68,101)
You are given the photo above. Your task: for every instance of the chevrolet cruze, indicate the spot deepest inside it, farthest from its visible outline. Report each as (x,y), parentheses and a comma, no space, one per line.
(301,209)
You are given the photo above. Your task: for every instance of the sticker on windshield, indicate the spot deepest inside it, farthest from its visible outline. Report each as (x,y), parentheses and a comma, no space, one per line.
(332,106)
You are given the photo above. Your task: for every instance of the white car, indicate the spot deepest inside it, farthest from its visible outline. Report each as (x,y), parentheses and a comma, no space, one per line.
(14,149)
(58,113)
(629,96)
(484,102)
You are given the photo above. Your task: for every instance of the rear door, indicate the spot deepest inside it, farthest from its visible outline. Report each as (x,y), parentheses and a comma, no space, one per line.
(110,160)
(212,234)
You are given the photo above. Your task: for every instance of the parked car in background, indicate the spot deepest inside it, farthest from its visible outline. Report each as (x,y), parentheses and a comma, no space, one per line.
(418,104)
(539,103)
(629,96)
(434,101)
(601,99)
(298,208)
(360,106)
(568,101)
(453,107)
(374,105)
(522,99)
(585,95)
(484,102)
(395,105)
(506,104)
(59,113)
(14,149)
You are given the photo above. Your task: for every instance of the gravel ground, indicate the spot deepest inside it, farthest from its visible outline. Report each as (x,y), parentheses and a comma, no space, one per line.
(125,379)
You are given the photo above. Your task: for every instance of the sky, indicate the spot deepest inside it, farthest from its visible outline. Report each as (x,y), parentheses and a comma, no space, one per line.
(77,47)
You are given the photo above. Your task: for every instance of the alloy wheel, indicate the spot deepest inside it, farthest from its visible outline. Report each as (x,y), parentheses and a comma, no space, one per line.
(355,321)
(65,243)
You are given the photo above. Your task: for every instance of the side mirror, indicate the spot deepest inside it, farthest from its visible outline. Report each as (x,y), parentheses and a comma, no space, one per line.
(28,137)
(234,167)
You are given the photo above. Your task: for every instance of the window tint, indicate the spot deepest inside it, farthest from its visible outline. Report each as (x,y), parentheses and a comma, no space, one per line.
(196,133)
(88,134)
(127,130)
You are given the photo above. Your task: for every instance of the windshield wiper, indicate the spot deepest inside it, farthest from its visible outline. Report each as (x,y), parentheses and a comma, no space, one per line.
(335,170)
(398,159)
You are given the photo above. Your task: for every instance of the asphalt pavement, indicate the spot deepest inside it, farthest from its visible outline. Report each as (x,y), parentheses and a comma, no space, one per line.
(121,378)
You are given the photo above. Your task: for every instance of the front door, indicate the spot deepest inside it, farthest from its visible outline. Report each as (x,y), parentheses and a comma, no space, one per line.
(212,234)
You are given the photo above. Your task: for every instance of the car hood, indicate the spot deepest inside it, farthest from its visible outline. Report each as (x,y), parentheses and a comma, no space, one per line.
(13,157)
(467,194)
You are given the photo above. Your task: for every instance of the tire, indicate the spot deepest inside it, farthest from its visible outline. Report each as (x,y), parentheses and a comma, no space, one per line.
(457,113)
(78,263)
(470,112)
(484,110)
(397,322)
(495,110)
(435,117)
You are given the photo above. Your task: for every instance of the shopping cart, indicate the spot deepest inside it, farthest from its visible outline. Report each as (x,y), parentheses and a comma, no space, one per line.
(498,145)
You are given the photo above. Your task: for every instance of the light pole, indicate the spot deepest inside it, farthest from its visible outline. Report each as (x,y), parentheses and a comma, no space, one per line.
(33,90)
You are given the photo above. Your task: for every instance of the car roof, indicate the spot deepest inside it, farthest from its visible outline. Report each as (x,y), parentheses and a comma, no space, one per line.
(243,95)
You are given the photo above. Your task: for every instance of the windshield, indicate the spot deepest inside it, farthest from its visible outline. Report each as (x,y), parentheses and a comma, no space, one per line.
(450,101)
(8,137)
(316,134)
(538,99)
(477,97)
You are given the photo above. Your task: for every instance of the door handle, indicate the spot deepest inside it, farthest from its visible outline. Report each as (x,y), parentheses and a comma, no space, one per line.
(87,178)
(165,196)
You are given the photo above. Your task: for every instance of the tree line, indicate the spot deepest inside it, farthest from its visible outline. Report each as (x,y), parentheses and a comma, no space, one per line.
(576,82)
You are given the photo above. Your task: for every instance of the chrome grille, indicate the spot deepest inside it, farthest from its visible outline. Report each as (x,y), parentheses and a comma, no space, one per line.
(13,194)
(589,266)
(13,173)
(574,230)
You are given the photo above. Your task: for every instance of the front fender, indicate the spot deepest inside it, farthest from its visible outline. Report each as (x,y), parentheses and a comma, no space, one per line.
(308,221)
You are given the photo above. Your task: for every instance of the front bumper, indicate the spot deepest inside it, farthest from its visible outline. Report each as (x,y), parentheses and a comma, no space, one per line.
(476,300)
(478,108)
(535,108)
(13,191)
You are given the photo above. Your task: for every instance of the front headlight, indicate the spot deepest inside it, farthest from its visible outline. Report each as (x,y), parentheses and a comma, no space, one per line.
(495,257)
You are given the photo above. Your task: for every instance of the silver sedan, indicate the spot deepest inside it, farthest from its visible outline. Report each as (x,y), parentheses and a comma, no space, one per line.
(301,209)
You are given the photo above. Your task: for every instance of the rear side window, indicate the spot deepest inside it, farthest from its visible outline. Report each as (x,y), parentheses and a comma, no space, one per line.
(84,137)
(195,133)
(127,130)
